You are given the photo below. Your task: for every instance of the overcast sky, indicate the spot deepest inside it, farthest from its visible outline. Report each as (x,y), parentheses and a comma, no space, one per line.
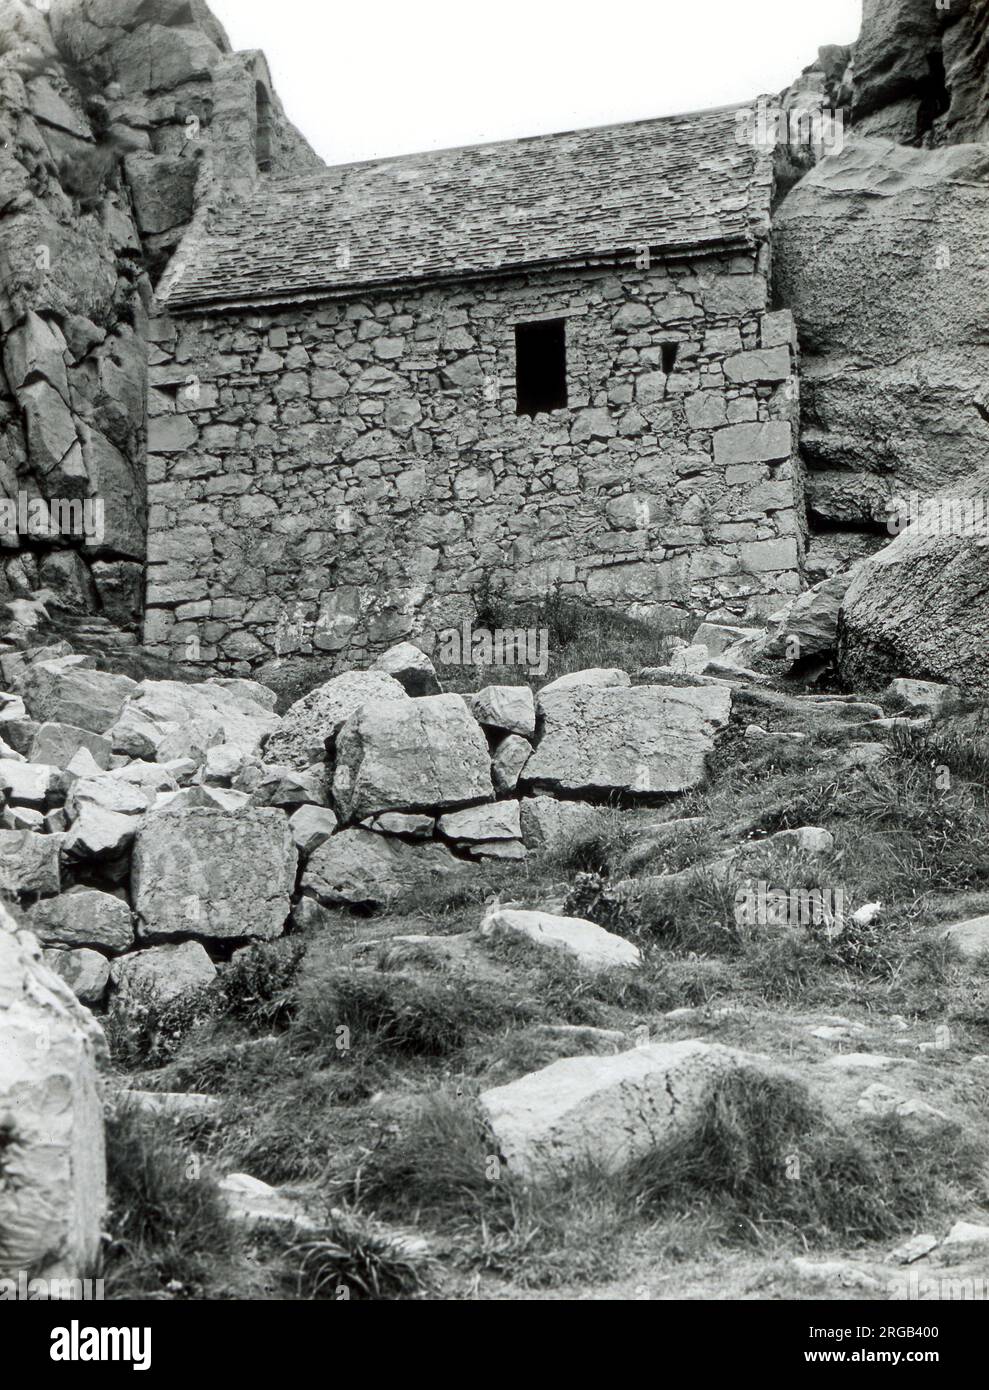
(371,79)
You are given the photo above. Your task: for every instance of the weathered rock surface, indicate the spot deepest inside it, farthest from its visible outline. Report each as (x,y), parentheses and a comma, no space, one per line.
(53,1188)
(922,71)
(57,744)
(29,862)
(589,945)
(87,973)
(919,609)
(213,874)
(160,973)
(412,669)
(364,869)
(610,1110)
(510,708)
(317,717)
(879,251)
(508,762)
(408,756)
(636,740)
(83,917)
(548,823)
(496,821)
(311,827)
(970,938)
(89,700)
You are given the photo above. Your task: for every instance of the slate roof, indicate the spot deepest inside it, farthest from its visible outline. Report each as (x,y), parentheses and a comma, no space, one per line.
(675,184)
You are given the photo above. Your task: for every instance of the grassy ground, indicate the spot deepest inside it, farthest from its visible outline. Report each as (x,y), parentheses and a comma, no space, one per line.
(348,1062)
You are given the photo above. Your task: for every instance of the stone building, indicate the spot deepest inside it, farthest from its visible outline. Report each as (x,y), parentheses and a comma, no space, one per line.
(383,389)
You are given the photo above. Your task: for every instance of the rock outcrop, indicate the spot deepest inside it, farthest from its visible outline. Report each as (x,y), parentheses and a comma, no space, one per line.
(881,254)
(119,121)
(52,1170)
(922,71)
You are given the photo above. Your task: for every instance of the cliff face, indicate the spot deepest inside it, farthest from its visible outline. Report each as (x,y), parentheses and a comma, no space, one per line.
(921,71)
(119,121)
(882,252)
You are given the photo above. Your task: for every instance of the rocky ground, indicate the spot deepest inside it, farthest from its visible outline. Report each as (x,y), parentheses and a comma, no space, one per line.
(475,995)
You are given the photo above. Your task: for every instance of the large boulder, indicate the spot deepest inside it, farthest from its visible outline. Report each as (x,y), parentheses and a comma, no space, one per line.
(167,719)
(920,608)
(360,868)
(52,1165)
(880,253)
(416,755)
(60,693)
(213,874)
(606,1110)
(314,720)
(638,740)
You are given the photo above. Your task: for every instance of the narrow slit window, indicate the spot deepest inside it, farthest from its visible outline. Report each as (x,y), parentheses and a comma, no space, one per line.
(540,366)
(671,352)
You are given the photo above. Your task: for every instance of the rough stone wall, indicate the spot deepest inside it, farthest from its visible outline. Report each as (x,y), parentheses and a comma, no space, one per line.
(329,479)
(117,119)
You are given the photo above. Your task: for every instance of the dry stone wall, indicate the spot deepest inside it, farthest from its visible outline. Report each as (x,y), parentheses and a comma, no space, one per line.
(329,479)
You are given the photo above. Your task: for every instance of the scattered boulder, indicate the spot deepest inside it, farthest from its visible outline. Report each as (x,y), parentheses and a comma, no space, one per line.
(548,823)
(314,720)
(925,697)
(287,787)
(363,869)
(53,1188)
(57,744)
(590,946)
(970,938)
(396,823)
(508,763)
(99,834)
(86,973)
(213,874)
(498,820)
(83,917)
(29,862)
(160,973)
(640,740)
(508,708)
(311,827)
(427,754)
(63,694)
(27,784)
(412,669)
(609,1110)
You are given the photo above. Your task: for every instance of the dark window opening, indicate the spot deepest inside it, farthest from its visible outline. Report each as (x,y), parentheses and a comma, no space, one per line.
(671,352)
(263,140)
(540,366)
